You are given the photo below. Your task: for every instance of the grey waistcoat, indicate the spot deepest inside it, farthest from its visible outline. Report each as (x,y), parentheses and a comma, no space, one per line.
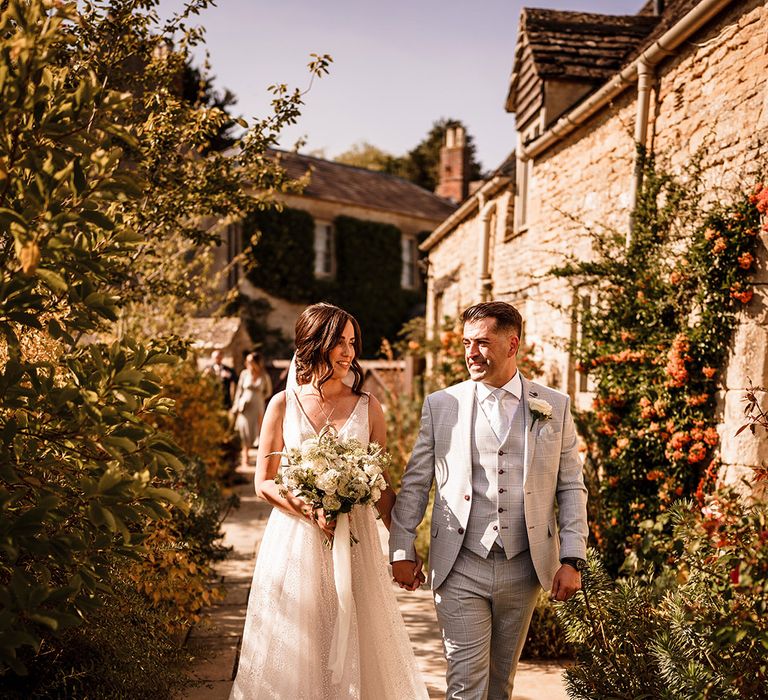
(497,486)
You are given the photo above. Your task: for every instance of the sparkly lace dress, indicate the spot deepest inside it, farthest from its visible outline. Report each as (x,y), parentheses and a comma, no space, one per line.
(292,605)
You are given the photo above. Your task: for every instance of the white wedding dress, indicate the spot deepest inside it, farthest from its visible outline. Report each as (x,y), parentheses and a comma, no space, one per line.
(293,604)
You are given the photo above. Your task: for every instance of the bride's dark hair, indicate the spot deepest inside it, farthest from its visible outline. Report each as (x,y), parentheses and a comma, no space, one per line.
(318,331)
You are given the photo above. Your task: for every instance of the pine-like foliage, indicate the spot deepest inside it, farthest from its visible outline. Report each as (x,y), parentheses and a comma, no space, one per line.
(693,627)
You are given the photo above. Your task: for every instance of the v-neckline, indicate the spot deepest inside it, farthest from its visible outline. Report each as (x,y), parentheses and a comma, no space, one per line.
(312,425)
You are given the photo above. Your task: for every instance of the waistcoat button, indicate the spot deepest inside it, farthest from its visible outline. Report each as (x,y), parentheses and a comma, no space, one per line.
(501,471)
(461,530)
(501,452)
(495,527)
(466,498)
(501,510)
(501,490)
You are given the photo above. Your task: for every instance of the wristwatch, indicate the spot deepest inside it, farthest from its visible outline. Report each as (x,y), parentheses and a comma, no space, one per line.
(575,562)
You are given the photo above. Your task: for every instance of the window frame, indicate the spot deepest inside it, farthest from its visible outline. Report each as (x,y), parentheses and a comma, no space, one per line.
(325,250)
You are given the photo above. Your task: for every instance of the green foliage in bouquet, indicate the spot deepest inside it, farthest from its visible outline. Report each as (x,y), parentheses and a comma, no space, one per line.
(103,196)
(654,341)
(691,619)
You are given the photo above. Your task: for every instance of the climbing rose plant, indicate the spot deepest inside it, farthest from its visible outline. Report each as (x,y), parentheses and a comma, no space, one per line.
(654,341)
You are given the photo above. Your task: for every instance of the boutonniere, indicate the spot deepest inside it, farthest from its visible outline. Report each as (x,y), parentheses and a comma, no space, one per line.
(540,409)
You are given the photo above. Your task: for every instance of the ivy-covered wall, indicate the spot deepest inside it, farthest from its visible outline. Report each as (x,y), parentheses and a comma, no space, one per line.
(281,255)
(368,279)
(368,269)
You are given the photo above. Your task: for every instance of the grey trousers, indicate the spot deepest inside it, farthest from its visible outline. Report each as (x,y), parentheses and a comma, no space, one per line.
(484,608)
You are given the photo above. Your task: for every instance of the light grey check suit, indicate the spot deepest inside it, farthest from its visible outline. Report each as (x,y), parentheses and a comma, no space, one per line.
(552,474)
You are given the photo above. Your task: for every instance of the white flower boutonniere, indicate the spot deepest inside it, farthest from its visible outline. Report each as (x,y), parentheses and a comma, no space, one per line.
(540,409)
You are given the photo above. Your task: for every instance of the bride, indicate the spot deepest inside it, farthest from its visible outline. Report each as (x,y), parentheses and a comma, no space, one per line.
(302,639)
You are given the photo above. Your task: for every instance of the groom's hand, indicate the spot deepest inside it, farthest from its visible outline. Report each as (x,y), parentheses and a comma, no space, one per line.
(566,582)
(408,574)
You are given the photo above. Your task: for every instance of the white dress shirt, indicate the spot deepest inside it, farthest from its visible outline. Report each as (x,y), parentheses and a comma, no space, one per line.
(508,400)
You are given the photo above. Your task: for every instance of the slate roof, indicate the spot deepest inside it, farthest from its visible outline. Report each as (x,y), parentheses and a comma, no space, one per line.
(347,184)
(582,45)
(673,11)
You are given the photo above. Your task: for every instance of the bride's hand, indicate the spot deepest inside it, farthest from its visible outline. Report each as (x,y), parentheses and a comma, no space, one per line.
(326,525)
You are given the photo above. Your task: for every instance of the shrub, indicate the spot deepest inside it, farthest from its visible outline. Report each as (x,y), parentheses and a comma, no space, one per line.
(124,652)
(691,619)
(103,196)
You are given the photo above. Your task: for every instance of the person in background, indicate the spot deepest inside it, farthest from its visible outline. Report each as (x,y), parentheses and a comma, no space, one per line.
(254,387)
(225,374)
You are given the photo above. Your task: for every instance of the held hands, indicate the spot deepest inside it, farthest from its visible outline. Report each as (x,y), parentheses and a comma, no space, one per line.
(566,582)
(408,574)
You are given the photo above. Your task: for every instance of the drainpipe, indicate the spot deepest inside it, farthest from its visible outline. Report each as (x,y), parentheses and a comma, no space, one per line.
(483,277)
(644,85)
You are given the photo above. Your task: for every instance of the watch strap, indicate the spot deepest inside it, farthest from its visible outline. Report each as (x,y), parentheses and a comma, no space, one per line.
(575,562)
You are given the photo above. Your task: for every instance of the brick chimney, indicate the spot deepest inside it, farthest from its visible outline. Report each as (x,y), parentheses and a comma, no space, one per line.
(453,174)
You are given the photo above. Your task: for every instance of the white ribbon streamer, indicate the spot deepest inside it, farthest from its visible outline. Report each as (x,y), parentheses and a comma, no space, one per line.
(342,574)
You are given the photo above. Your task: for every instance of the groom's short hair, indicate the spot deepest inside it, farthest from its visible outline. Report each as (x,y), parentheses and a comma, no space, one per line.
(507,317)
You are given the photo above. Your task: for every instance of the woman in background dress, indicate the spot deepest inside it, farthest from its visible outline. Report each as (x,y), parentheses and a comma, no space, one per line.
(253,389)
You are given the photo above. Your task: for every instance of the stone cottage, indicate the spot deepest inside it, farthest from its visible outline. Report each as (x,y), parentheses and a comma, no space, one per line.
(584,89)
(348,227)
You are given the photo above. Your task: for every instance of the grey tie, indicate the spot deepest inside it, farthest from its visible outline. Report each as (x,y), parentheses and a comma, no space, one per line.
(497,417)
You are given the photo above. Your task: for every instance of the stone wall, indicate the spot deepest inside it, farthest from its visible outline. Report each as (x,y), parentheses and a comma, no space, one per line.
(712,92)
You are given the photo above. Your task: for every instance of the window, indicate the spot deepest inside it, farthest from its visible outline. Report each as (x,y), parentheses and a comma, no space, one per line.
(523,176)
(521,191)
(438,319)
(325,250)
(408,277)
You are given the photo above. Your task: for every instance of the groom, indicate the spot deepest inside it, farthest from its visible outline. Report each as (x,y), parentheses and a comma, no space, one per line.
(502,451)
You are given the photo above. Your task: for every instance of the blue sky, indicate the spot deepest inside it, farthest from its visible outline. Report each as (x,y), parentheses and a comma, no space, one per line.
(398,65)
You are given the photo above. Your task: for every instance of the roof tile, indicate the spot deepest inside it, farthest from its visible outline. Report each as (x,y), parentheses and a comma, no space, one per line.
(367,188)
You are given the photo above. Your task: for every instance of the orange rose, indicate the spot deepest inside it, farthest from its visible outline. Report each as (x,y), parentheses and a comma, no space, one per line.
(746,260)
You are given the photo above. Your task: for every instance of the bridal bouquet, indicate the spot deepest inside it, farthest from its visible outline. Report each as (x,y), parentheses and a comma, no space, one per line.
(334,474)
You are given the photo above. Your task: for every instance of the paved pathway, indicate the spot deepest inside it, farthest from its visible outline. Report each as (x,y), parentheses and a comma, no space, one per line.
(216,641)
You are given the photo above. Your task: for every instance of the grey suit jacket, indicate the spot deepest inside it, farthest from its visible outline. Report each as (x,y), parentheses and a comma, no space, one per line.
(552,474)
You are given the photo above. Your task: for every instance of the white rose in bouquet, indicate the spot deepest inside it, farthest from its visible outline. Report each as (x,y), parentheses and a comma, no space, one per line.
(334,474)
(331,503)
(328,481)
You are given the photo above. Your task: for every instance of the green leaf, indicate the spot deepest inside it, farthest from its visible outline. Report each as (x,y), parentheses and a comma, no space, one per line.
(94,216)
(9,215)
(78,178)
(45,620)
(53,279)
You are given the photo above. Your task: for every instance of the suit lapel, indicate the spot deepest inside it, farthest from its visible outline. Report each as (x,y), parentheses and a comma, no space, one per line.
(529,427)
(465,421)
